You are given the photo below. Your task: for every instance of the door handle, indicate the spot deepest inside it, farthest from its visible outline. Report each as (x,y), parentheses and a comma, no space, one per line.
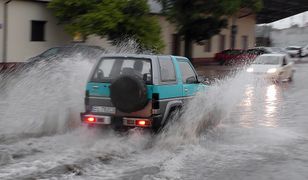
(95,87)
(186,90)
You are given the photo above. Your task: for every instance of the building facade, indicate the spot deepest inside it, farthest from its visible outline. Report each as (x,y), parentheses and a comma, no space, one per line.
(27,28)
(293,36)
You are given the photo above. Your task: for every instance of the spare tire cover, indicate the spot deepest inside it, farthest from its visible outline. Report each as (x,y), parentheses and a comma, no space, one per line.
(128,93)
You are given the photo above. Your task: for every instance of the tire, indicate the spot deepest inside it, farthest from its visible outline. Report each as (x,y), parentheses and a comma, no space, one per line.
(128,93)
(173,114)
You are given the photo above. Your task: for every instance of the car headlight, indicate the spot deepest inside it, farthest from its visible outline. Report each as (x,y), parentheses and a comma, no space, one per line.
(249,70)
(272,70)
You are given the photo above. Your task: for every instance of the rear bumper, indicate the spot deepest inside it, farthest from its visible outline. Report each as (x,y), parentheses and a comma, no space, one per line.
(107,120)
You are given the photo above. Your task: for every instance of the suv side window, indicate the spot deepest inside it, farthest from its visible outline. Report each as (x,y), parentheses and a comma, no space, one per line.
(167,71)
(187,72)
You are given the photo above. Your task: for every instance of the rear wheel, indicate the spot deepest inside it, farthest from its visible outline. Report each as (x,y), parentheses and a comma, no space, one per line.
(173,115)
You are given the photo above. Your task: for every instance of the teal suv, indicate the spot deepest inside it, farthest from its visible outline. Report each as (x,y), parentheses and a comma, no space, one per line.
(138,90)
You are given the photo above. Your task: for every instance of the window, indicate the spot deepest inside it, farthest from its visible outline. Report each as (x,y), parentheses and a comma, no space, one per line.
(167,71)
(222,42)
(111,68)
(208,45)
(244,42)
(38,30)
(187,71)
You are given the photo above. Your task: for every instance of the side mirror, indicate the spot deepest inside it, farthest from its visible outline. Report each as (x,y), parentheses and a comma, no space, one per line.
(203,79)
(191,80)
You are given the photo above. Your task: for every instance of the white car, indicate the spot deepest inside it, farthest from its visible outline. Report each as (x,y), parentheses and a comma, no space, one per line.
(277,67)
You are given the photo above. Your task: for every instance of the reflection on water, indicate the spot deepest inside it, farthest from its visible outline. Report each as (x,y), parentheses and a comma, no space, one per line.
(259,106)
(271,107)
(246,119)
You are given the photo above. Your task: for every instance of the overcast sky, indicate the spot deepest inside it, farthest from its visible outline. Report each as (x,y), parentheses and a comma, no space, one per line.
(300,19)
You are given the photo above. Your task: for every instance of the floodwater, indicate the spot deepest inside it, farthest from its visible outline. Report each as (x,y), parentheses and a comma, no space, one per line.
(240,128)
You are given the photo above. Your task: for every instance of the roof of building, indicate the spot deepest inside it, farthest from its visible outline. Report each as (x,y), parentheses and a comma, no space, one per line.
(274,10)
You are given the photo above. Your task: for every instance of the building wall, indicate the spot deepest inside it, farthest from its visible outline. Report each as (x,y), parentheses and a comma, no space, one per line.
(1,28)
(20,14)
(19,47)
(294,36)
(245,27)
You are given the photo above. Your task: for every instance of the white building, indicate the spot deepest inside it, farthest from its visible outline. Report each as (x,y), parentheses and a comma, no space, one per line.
(27,28)
(293,36)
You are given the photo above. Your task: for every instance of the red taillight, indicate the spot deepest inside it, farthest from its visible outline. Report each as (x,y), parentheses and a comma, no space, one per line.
(143,122)
(90,119)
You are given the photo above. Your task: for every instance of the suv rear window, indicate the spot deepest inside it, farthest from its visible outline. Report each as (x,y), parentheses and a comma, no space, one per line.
(109,69)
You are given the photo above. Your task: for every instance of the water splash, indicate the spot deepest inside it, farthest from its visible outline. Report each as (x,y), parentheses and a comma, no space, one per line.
(205,111)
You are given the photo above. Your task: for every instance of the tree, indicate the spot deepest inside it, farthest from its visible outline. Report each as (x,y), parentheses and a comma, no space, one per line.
(112,19)
(199,20)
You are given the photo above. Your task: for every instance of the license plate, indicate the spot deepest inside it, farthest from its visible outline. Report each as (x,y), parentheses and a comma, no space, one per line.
(103,109)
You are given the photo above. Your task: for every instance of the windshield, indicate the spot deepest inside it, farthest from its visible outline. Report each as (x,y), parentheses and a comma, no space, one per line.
(109,69)
(270,60)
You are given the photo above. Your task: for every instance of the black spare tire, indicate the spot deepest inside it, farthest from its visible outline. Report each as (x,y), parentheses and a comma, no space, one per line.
(128,93)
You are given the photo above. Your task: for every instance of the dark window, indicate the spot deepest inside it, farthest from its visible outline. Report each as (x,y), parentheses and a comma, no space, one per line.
(244,42)
(187,71)
(222,42)
(167,71)
(109,69)
(208,45)
(38,30)
(176,42)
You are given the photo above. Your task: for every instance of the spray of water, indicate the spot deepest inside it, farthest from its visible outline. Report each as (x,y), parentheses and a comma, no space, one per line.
(46,97)
(41,99)
(205,111)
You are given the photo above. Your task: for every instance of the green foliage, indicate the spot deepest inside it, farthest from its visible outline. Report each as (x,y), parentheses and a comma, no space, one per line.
(115,19)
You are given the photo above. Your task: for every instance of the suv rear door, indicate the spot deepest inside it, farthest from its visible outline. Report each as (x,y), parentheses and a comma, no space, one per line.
(189,77)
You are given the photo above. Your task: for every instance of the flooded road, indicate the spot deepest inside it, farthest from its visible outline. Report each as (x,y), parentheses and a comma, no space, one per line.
(260,132)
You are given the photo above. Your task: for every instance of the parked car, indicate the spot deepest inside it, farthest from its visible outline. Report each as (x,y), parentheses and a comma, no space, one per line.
(227,56)
(304,51)
(293,51)
(68,51)
(127,91)
(238,57)
(277,67)
(93,53)
(9,67)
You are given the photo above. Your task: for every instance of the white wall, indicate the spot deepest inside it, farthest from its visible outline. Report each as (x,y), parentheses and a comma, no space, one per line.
(20,14)
(294,36)
(1,29)
(245,27)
